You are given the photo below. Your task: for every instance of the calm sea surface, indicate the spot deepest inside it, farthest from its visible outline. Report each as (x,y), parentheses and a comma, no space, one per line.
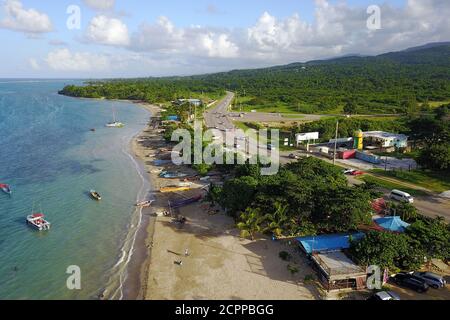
(51,159)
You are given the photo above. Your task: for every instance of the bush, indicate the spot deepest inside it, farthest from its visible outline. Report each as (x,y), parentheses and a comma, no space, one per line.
(285,256)
(292,269)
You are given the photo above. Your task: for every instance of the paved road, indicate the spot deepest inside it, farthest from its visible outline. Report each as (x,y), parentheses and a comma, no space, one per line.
(219,118)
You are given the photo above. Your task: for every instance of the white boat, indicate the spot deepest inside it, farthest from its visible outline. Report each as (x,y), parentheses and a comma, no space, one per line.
(6,188)
(114,123)
(145,204)
(37,221)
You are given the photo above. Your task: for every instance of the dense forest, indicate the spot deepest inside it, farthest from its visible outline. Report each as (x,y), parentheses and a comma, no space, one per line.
(388,83)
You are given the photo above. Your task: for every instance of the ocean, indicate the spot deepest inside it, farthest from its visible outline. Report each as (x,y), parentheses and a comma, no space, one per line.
(51,158)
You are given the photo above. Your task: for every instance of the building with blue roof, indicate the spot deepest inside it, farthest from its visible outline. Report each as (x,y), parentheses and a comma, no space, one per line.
(335,270)
(327,243)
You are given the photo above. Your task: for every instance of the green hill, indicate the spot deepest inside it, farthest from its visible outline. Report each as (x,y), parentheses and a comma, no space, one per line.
(389,83)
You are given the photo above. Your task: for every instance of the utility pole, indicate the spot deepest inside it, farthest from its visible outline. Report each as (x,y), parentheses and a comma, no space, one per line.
(335,142)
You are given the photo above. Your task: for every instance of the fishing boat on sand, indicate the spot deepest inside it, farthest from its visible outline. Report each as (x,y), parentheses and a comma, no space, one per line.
(145,204)
(182,203)
(37,221)
(6,188)
(172,175)
(175,188)
(95,195)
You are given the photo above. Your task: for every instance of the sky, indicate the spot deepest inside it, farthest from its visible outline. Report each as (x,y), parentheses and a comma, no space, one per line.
(138,38)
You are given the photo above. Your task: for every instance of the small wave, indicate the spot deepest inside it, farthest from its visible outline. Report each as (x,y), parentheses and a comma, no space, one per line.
(120,268)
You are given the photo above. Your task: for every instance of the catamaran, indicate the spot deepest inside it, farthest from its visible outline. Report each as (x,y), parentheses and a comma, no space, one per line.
(6,188)
(37,221)
(115,124)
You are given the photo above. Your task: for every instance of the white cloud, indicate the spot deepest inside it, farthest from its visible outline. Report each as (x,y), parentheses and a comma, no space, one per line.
(109,31)
(65,60)
(18,18)
(338,28)
(100,4)
(218,46)
(34,64)
(165,37)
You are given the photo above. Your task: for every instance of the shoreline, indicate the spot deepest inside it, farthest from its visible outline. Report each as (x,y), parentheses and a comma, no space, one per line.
(136,270)
(205,258)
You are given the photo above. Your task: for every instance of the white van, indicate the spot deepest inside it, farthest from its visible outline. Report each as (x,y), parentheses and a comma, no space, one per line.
(401,196)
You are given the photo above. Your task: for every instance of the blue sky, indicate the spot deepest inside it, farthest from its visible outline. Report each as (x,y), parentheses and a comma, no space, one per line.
(130,38)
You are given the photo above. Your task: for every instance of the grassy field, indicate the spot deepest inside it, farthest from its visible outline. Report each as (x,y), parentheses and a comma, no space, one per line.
(437,104)
(437,182)
(391,185)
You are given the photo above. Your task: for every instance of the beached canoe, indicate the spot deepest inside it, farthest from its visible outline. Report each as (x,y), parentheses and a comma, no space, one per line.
(161,162)
(172,175)
(182,203)
(174,189)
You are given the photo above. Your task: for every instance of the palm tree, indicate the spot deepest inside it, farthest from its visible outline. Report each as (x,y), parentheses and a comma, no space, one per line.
(250,224)
(277,220)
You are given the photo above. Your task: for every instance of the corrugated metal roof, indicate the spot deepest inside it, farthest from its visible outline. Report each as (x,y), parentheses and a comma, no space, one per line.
(327,243)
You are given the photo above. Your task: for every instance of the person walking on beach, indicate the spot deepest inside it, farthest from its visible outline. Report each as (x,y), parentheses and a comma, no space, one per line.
(186,252)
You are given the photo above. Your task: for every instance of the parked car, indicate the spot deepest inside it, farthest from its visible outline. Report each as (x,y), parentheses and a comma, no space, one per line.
(410,281)
(401,196)
(294,156)
(384,296)
(270,147)
(433,280)
(357,173)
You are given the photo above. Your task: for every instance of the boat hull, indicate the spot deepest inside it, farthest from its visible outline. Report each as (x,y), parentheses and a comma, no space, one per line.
(173,189)
(95,195)
(6,189)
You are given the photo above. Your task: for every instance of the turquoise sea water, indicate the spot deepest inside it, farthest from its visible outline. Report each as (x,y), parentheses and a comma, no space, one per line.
(51,159)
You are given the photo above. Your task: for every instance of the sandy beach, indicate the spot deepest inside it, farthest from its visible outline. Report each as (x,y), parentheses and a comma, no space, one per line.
(219,264)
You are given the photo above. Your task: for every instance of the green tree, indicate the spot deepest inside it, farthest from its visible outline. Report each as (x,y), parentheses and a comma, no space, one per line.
(406,211)
(278,220)
(435,157)
(238,194)
(350,107)
(433,237)
(387,250)
(250,223)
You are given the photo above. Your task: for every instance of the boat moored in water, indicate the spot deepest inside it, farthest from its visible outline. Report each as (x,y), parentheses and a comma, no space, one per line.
(114,123)
(37,221)
(95,195)
(6,188)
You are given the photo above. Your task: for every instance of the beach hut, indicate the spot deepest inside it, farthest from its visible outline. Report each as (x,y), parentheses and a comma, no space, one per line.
(334,268)
(393,224)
